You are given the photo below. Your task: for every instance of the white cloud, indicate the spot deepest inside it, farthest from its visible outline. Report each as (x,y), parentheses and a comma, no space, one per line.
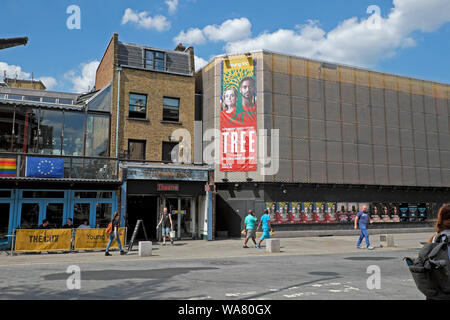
(172,5)
(49,82)
(354,41)
(199,63)
(191,36)
(12,71)
(142,19)
(230,30)
(83,80)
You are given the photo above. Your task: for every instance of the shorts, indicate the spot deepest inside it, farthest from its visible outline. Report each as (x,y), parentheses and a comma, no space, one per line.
(250,234)
(166,231)
(265,235)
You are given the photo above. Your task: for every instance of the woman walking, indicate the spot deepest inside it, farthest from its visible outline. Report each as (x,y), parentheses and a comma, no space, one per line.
(114,234)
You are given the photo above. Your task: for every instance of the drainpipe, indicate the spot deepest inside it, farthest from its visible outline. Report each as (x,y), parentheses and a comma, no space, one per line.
(117,112)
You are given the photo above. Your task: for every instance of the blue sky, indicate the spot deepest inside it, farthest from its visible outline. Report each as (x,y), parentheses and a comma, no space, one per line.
(407,37)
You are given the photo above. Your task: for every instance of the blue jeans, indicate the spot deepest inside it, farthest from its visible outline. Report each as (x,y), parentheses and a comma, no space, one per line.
(111,239)
(364,234)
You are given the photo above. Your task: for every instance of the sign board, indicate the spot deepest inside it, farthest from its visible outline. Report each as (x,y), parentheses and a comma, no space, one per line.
(43,239)
(136,229)
(90,239)
(167,174)
(167,187)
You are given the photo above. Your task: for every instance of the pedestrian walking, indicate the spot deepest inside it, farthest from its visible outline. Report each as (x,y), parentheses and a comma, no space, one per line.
(115,234)
(363,219)
(249,225)
(167,225)
(266,227)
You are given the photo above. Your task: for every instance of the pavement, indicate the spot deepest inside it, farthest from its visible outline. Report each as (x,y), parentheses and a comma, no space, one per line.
(222,249)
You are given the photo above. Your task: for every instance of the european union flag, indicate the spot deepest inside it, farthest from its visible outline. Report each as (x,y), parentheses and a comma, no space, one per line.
(45,167)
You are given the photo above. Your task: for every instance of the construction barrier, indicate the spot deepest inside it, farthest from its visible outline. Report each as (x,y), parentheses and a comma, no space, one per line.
(30,240)
(92,239)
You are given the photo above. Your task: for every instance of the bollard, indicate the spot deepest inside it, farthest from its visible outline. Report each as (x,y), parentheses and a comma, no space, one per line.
(387,240)
(145,248)
(273,245)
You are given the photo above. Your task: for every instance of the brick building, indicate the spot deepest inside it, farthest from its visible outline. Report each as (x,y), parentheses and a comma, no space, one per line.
(153,133)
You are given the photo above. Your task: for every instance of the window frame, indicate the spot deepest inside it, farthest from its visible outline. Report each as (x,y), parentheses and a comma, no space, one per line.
(150,64)
(164,106)
(133,114)
(143,149)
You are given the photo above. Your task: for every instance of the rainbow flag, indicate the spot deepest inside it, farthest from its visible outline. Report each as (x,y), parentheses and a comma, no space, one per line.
(8,167)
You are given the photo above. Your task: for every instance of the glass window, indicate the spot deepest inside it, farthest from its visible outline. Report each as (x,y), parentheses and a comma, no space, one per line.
(51,132)
(154,60)
(66,101)
(2,96)
(54,214)
(169,149)
(29,216)
(26,130)
(102,102)
(103,214)
(73,133)
(32,98)
(91,195)
(49,100)
(4,221)
(5,194)
(171,108)
(14,96)
(138,106)
(6,128)
(97,135)
(43,194)
(136,149)
(81,212)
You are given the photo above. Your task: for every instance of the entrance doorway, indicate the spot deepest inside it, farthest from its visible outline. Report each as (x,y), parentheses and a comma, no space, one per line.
(183,216)
(142,208)
(5,221)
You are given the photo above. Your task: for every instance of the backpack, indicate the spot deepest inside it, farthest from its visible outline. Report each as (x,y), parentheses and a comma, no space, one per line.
(430,270)
(109,228)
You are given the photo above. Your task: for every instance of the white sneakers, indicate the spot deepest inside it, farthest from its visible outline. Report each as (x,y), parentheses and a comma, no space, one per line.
(369,247)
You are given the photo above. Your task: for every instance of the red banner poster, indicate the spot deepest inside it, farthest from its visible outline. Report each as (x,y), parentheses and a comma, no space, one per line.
(238,123)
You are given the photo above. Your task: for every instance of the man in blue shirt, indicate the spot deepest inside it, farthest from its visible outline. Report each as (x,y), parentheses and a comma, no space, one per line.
(266,227)
(249,224)
(363,218)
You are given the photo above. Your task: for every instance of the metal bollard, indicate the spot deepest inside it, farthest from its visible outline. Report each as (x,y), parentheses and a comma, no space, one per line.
(387,240)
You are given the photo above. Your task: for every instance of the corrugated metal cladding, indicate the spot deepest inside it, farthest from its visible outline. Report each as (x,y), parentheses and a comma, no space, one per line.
(344,125)
(133,56)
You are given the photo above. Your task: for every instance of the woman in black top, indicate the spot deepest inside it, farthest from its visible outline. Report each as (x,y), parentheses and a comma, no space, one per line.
(115,234)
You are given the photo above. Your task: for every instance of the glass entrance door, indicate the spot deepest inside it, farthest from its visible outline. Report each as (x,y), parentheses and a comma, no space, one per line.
(5,214)
(54,214)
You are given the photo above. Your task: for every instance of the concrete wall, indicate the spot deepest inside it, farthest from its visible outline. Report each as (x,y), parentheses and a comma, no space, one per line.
(344,125)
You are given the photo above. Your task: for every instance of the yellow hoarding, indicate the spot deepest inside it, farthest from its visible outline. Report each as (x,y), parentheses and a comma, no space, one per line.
(90,239)
(43,240)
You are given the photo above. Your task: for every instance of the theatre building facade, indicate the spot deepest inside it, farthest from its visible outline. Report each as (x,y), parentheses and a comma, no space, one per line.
(313,142)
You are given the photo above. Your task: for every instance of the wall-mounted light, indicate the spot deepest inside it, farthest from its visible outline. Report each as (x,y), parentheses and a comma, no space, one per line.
(284,191)
(236,185)
(225,180)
